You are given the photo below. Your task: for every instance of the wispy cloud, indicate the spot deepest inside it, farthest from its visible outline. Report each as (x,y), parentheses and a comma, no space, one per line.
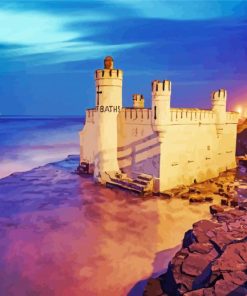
(32,28)
(185,9)
(68,51)
(31,33)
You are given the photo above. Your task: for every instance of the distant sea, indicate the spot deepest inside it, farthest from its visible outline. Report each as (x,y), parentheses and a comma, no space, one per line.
(28,142)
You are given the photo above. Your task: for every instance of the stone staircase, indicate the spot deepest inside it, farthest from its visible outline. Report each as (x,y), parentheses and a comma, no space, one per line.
(142,184)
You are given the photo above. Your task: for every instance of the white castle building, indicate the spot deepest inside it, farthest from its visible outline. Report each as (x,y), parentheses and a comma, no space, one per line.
(157,148)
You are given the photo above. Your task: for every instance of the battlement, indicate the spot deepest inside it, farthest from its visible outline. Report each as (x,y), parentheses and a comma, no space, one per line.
(189,115)
(108,74)
(161,87)
(90,115)
(177,116)
(136,115)
(138,101)
(232,117)
(219,95)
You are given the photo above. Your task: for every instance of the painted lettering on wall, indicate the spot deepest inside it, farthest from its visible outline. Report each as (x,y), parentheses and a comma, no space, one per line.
(101,108)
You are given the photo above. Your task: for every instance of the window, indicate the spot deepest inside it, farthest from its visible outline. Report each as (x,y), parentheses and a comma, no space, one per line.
(155,116)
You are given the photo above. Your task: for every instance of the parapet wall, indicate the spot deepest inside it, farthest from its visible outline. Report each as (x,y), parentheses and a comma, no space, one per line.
(177,116)
(90,115)
(189,116)
(136,115)
(108,73)
(232,117)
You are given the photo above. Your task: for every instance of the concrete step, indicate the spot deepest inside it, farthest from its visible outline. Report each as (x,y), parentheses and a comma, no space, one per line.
(139,185)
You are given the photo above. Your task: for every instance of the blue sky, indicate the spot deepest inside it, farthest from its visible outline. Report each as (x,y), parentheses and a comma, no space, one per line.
(50,49)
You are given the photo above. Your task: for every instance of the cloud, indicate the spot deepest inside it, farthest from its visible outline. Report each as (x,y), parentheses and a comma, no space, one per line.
(68,51)
(51,38)
(185,10)
(30,28)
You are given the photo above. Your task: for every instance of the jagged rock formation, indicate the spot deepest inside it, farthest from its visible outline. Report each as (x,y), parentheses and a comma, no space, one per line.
(212,261)
(242,139)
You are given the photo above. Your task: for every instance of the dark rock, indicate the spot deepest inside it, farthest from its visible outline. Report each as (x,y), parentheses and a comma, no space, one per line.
(201,292)
(221,190)
(169,284)
(185,196)
(201,228)
(166,195)
(205,225)
(213,260)
(227,195)
(153,288)
(237,213)
(224,217)
(195,293)
(192,190)
(243,206)
(235,277)
(202,248)
(223,288)
(215,276)
(196,198)
(224,202)
(189,238)
(214,209)
(221,239)
(234,258)
(233,203)
(190,268)
(209,198)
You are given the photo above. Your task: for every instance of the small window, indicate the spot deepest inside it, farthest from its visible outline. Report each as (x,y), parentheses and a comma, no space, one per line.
(208,147)
(155,116)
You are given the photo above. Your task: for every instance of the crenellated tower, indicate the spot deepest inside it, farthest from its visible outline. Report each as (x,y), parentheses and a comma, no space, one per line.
(108,105)
(219,108)
(161,101)
(138,101)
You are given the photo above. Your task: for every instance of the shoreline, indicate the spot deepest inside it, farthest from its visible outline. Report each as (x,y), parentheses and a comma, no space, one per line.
(211,261)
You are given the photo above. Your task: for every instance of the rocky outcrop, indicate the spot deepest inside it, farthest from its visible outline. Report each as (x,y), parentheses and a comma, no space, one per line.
(212,261)
(242,139)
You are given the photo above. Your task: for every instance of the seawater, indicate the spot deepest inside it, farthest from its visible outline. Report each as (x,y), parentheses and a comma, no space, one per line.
(61,234)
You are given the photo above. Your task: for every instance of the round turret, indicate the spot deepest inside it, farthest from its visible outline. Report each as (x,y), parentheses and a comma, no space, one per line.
(161,88)
(219,96)
(218,99)
(108,83)
(161,99)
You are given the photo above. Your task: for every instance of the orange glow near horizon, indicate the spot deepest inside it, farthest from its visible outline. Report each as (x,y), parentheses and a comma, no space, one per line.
(239,109)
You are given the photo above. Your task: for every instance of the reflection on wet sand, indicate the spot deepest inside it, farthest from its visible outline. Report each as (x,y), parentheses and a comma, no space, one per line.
(63,235)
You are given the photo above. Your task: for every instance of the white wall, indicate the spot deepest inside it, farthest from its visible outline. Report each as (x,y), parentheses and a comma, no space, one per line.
(138,147)
(192,149)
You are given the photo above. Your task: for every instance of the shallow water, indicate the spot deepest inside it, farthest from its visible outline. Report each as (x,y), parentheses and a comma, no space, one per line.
(61,234)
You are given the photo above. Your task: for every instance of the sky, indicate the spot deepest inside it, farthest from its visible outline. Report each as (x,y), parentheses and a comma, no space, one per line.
(49,50)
